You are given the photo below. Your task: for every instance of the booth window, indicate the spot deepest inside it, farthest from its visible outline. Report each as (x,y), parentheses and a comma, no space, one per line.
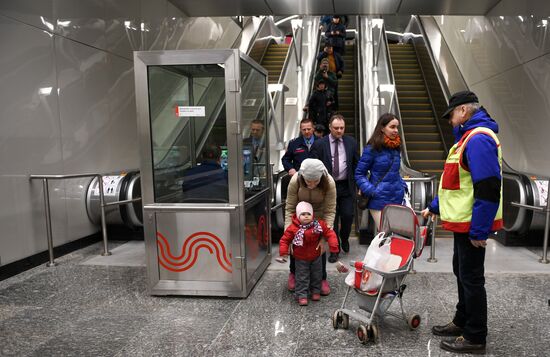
(254,145)
(188,133)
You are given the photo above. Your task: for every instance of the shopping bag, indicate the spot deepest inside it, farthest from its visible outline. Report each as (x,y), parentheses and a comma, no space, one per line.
(356,276)
(377,257)
(407,200)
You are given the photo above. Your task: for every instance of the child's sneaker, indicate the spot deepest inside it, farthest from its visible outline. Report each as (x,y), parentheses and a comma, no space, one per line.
(291,282)
(302,301)
(325,288)
(315,297)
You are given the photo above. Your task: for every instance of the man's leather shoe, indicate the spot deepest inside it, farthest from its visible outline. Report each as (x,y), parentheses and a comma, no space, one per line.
(345,246)
(462,345)
(333,257)
(447,330)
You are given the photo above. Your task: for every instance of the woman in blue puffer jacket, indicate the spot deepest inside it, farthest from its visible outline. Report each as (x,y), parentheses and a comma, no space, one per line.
(382,159)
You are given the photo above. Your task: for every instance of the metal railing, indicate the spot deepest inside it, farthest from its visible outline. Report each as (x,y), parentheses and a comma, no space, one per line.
(546,210)
(102,204)
(432,180)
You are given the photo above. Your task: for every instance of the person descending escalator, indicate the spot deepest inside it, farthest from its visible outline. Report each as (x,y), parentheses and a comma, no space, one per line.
(336,35)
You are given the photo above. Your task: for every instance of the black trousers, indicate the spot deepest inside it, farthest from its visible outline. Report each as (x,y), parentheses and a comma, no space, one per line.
(344,211)
(469,269)
(323,264)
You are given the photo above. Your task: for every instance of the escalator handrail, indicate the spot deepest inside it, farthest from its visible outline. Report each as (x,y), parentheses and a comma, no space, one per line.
(438,124)
(359,86)
(315,65)
(437,68)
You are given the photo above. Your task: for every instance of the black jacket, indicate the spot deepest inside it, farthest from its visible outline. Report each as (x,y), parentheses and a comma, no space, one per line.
(296,152)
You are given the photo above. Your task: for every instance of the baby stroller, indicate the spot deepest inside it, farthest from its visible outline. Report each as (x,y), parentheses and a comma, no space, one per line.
(400,225)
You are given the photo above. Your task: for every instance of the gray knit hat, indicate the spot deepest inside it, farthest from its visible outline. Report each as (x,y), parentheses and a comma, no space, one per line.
(312,169)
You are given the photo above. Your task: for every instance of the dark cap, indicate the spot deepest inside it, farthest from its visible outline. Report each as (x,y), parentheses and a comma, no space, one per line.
(460,98)
(319,127)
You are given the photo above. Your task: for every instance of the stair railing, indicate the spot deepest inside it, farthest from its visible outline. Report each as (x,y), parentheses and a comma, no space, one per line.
(102,204)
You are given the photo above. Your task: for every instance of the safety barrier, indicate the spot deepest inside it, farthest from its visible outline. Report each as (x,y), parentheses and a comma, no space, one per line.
(432,180)
(544,258)
(102,204)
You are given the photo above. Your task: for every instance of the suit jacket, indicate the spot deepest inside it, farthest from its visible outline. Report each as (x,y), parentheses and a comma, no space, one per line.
(321,150)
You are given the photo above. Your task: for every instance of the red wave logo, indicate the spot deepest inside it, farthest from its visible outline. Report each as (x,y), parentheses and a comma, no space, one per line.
(189,252)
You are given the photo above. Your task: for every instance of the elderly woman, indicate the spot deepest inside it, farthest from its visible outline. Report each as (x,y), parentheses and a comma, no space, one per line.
(312,184)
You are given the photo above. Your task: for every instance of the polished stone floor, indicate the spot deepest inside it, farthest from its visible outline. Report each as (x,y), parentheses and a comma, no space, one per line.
(86,307)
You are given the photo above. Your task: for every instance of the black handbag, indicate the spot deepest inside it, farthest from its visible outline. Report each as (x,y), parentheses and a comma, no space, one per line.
(362,201)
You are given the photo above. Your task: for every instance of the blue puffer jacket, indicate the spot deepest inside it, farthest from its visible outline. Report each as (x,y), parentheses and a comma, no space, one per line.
(391,188)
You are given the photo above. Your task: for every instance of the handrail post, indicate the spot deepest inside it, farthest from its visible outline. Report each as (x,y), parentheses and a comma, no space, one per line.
(432,258)
(103,221)
(544,258)
(52,262)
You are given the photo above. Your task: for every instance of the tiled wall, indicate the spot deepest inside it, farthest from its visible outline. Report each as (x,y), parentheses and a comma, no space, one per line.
(67,102)
(506,61)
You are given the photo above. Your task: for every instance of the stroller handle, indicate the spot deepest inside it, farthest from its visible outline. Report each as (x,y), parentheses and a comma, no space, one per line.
(385,274)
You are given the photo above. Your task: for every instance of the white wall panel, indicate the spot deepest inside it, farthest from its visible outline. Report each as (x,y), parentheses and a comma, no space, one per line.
(121,39)
(83,21)
(36,13)
(29,139)
(68,102)
(506,61)
(83,80)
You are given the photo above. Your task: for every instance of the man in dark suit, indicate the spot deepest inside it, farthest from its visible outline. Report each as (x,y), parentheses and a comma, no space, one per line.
(340,155)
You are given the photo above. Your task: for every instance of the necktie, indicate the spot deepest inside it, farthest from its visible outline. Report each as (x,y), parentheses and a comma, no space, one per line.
(336,164)
(308,143)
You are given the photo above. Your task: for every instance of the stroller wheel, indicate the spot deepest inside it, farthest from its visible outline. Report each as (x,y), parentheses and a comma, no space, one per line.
(345,321)
(414,321)
(372,333)
(336,319)
(362,334)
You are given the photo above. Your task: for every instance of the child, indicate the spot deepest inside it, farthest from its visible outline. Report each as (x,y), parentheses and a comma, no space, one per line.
(304,236)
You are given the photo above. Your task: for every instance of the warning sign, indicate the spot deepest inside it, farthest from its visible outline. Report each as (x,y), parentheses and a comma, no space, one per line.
(184,111)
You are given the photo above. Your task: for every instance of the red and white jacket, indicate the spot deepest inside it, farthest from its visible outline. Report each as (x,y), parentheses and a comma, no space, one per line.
(308,251)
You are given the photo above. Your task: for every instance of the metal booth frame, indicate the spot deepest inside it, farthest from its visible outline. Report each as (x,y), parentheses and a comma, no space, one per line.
(230,218)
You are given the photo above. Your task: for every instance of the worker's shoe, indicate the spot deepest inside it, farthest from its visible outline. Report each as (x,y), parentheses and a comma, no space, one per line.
(449,329)
(462,345)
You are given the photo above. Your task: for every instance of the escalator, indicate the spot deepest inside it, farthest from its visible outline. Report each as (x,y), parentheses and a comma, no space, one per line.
(423,92)
(274,60)
(425,146)
(346,91)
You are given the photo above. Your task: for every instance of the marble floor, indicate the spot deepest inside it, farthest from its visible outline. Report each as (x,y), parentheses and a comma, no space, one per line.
(90,305)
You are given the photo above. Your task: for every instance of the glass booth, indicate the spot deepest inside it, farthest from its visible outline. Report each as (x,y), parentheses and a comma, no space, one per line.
(205,173)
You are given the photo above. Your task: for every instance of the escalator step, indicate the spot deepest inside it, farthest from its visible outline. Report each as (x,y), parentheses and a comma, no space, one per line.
(425,154)
(427,164)
(423,145)
(411,137)
(420,128)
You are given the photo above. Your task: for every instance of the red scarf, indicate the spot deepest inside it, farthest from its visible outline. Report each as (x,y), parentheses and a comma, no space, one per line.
(392,143)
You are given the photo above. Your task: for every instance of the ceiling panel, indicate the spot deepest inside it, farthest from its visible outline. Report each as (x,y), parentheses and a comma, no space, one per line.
(195,8)
(301,7)
(446,7)
(524,7)
(366,6)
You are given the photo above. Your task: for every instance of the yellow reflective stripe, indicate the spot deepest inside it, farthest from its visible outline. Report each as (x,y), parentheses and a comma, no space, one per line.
(456,205)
